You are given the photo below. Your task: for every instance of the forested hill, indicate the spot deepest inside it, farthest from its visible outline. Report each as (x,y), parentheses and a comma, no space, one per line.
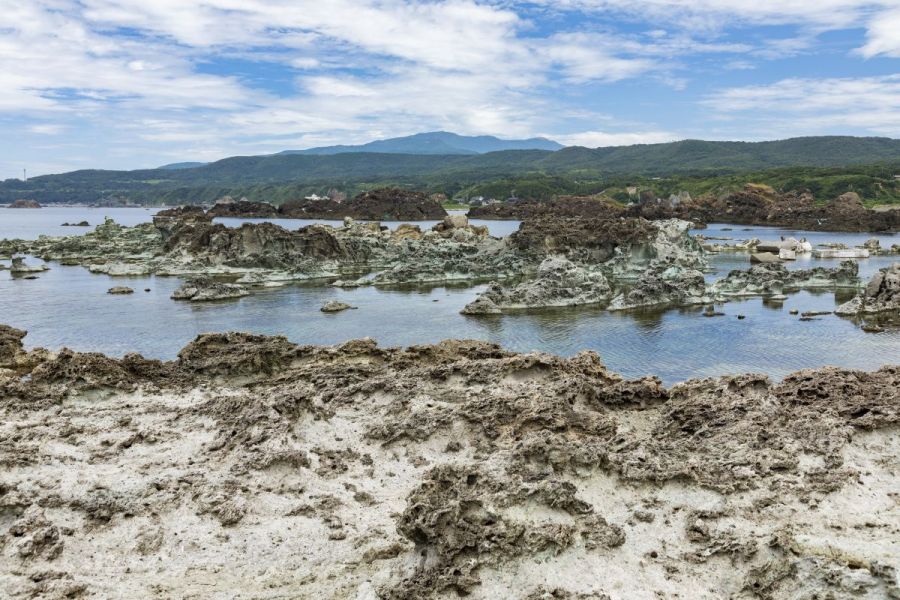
(293,173)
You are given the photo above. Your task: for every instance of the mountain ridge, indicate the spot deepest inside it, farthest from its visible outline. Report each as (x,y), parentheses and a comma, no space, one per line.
(448,173)
(436,142)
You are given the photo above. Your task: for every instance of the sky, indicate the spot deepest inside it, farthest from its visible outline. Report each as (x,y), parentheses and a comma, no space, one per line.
(125,84)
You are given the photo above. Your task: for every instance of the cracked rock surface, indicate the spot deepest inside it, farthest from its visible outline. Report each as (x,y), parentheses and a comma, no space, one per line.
(255,467)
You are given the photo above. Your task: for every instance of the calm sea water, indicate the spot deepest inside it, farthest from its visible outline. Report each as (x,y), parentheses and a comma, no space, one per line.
(68,306)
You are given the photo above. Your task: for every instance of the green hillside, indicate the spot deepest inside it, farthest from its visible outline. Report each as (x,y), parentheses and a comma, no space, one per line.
(536,173)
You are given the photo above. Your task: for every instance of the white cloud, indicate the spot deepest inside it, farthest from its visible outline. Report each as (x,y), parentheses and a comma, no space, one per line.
(817,105)
(883,35)
(47,128)
(157,75)
(596,139)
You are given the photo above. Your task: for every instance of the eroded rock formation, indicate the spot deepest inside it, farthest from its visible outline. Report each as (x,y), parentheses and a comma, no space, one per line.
(753,205)
(252,467)
(881,295)
(766,279)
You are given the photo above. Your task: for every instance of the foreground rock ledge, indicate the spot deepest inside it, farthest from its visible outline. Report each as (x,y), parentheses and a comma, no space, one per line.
(255,467)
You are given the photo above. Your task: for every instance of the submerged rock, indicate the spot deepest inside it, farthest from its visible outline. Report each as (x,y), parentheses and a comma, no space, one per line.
(204,289)
(335,306)
(120,290)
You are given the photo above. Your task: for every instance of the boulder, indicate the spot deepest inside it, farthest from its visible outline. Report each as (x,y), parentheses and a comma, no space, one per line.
(333,306)
(120,290)
(764,257)
(204,289)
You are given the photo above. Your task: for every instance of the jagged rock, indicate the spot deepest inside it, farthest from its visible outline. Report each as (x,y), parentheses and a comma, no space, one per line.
(203,289)
(10,345)
(79,224)
(672,285)
(774,279)
(19,267)
(243,209)
(559,282)
(882,294)
(441,469)
(384,204)
(873,245)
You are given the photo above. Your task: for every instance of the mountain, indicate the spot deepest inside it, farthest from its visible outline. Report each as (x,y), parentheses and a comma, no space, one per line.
(437,142)
(284,176)
(183,165)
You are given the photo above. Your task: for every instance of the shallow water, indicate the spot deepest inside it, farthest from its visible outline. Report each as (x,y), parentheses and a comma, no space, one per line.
(68,306)
(29,223)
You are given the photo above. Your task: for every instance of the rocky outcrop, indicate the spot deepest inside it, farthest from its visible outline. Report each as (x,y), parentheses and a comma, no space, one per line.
(769,279)
(243,209)
(882,295)
(759,205)
(18,267)
(510,476)
(663,286)
(384,204)
(559,282)
(23,203)
(204,289)
(78,224)
(597,253)
(562,207)
(753,205)
(10,345)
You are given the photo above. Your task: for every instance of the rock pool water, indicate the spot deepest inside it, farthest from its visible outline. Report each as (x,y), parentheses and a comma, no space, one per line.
(68,306)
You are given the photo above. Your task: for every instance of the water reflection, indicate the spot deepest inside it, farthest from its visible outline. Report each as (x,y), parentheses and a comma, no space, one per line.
(68,306)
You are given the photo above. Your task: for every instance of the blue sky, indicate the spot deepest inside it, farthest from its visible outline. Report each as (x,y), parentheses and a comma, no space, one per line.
(134,84)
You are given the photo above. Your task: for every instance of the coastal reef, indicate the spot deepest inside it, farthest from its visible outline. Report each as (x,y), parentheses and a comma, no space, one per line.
(254,467)
(752,205)
(383,204)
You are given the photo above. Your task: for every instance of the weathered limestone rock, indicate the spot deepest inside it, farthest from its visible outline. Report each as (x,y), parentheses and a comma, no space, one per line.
(19,267)
(204,289)
(440,470)
(333,306)
(841,253)
(882,295)
(775,279)
(662,286)
(764,257)
(559,282)
(120,290)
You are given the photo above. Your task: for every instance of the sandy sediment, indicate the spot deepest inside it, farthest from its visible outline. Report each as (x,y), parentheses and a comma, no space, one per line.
(252,467)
